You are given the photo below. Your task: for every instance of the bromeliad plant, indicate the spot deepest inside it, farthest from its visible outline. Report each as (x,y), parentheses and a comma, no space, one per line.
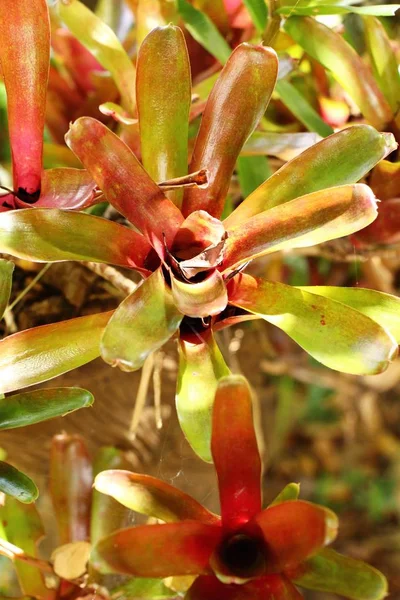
(247,553)
(190,259)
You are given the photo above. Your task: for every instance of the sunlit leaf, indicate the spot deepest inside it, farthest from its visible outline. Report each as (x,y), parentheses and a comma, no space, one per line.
(16,484)
(258,12)
(283,145)
(202,299)
(41,353)
(305,221)
(342,158)
(383,59)
(315,8)
(291,491)
(152,497)
(142,323)
(24,56)
(52,235)
(220,139)
(153,13)
(163,88)
(141,587)
(302,109)
(331,572)
(6,271)
(70,560)
(235,452)
(380,307)
(203,30)
(125,183)
(334,53)
(102,42)
(201,365)
(71,487)
(356,343)
(158,550)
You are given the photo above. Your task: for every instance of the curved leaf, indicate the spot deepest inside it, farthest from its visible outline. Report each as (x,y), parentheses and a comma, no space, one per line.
(197,300)
(306,221)
(152,497)
(102,42)
(16,484)
(201,365)
(334,53)
(163,88)
(302,109)
(282,145)
(331,572)
(235,452)
(158,550)
(229,118)
(342,158)
(142,323)
(52,235)
(29,408)
(24,57)
(291,491)
(41,353)
(378,306)
(270,586)
(125,183)
(6,271)
(337,336)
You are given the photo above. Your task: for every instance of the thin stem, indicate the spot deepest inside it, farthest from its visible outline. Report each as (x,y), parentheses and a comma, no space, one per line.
(113,276)
(145,377)
(29,286)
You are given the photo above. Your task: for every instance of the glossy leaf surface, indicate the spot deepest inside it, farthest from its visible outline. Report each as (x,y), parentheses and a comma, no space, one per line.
(271,586)
(52,235)
(71,487)
(71,189)
(158,550)
(152,497)
(6,271)
(378,306)
(24,57)
(356,345)
(39,354)
(163,97)
(142,323)
(294,530)
(305,221)
(331,572)
(220,139)
(334,53)
(28,408)
(235,452)
(201,365)
(16,484)
(342,158)
(197,300)
(102,42)
(125,183)
(283,145)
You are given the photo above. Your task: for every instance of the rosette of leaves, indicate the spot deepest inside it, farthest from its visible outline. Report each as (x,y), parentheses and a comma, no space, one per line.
(20,410)
(192,262)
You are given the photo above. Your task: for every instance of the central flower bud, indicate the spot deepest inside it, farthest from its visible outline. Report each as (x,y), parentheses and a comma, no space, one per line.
(198,288)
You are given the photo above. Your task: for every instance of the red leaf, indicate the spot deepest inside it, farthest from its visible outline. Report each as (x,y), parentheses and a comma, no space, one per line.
(271,587)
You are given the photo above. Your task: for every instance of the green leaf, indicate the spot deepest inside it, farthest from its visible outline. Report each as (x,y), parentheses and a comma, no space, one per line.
(229,118)
(383,59)
(331,572)
(314,9)
(16,484)
(52,235)
(201,365)
(305,221)
(378,306)
(6,271)
(142,323)
(28,408)
(334,53)
(41,353)
(258,12)
(283,145)
(342,158)
(302,109)
(102,42)
(142,587)
(291,491)
(336,335)
(163,88)
(203,30)
(252,172)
